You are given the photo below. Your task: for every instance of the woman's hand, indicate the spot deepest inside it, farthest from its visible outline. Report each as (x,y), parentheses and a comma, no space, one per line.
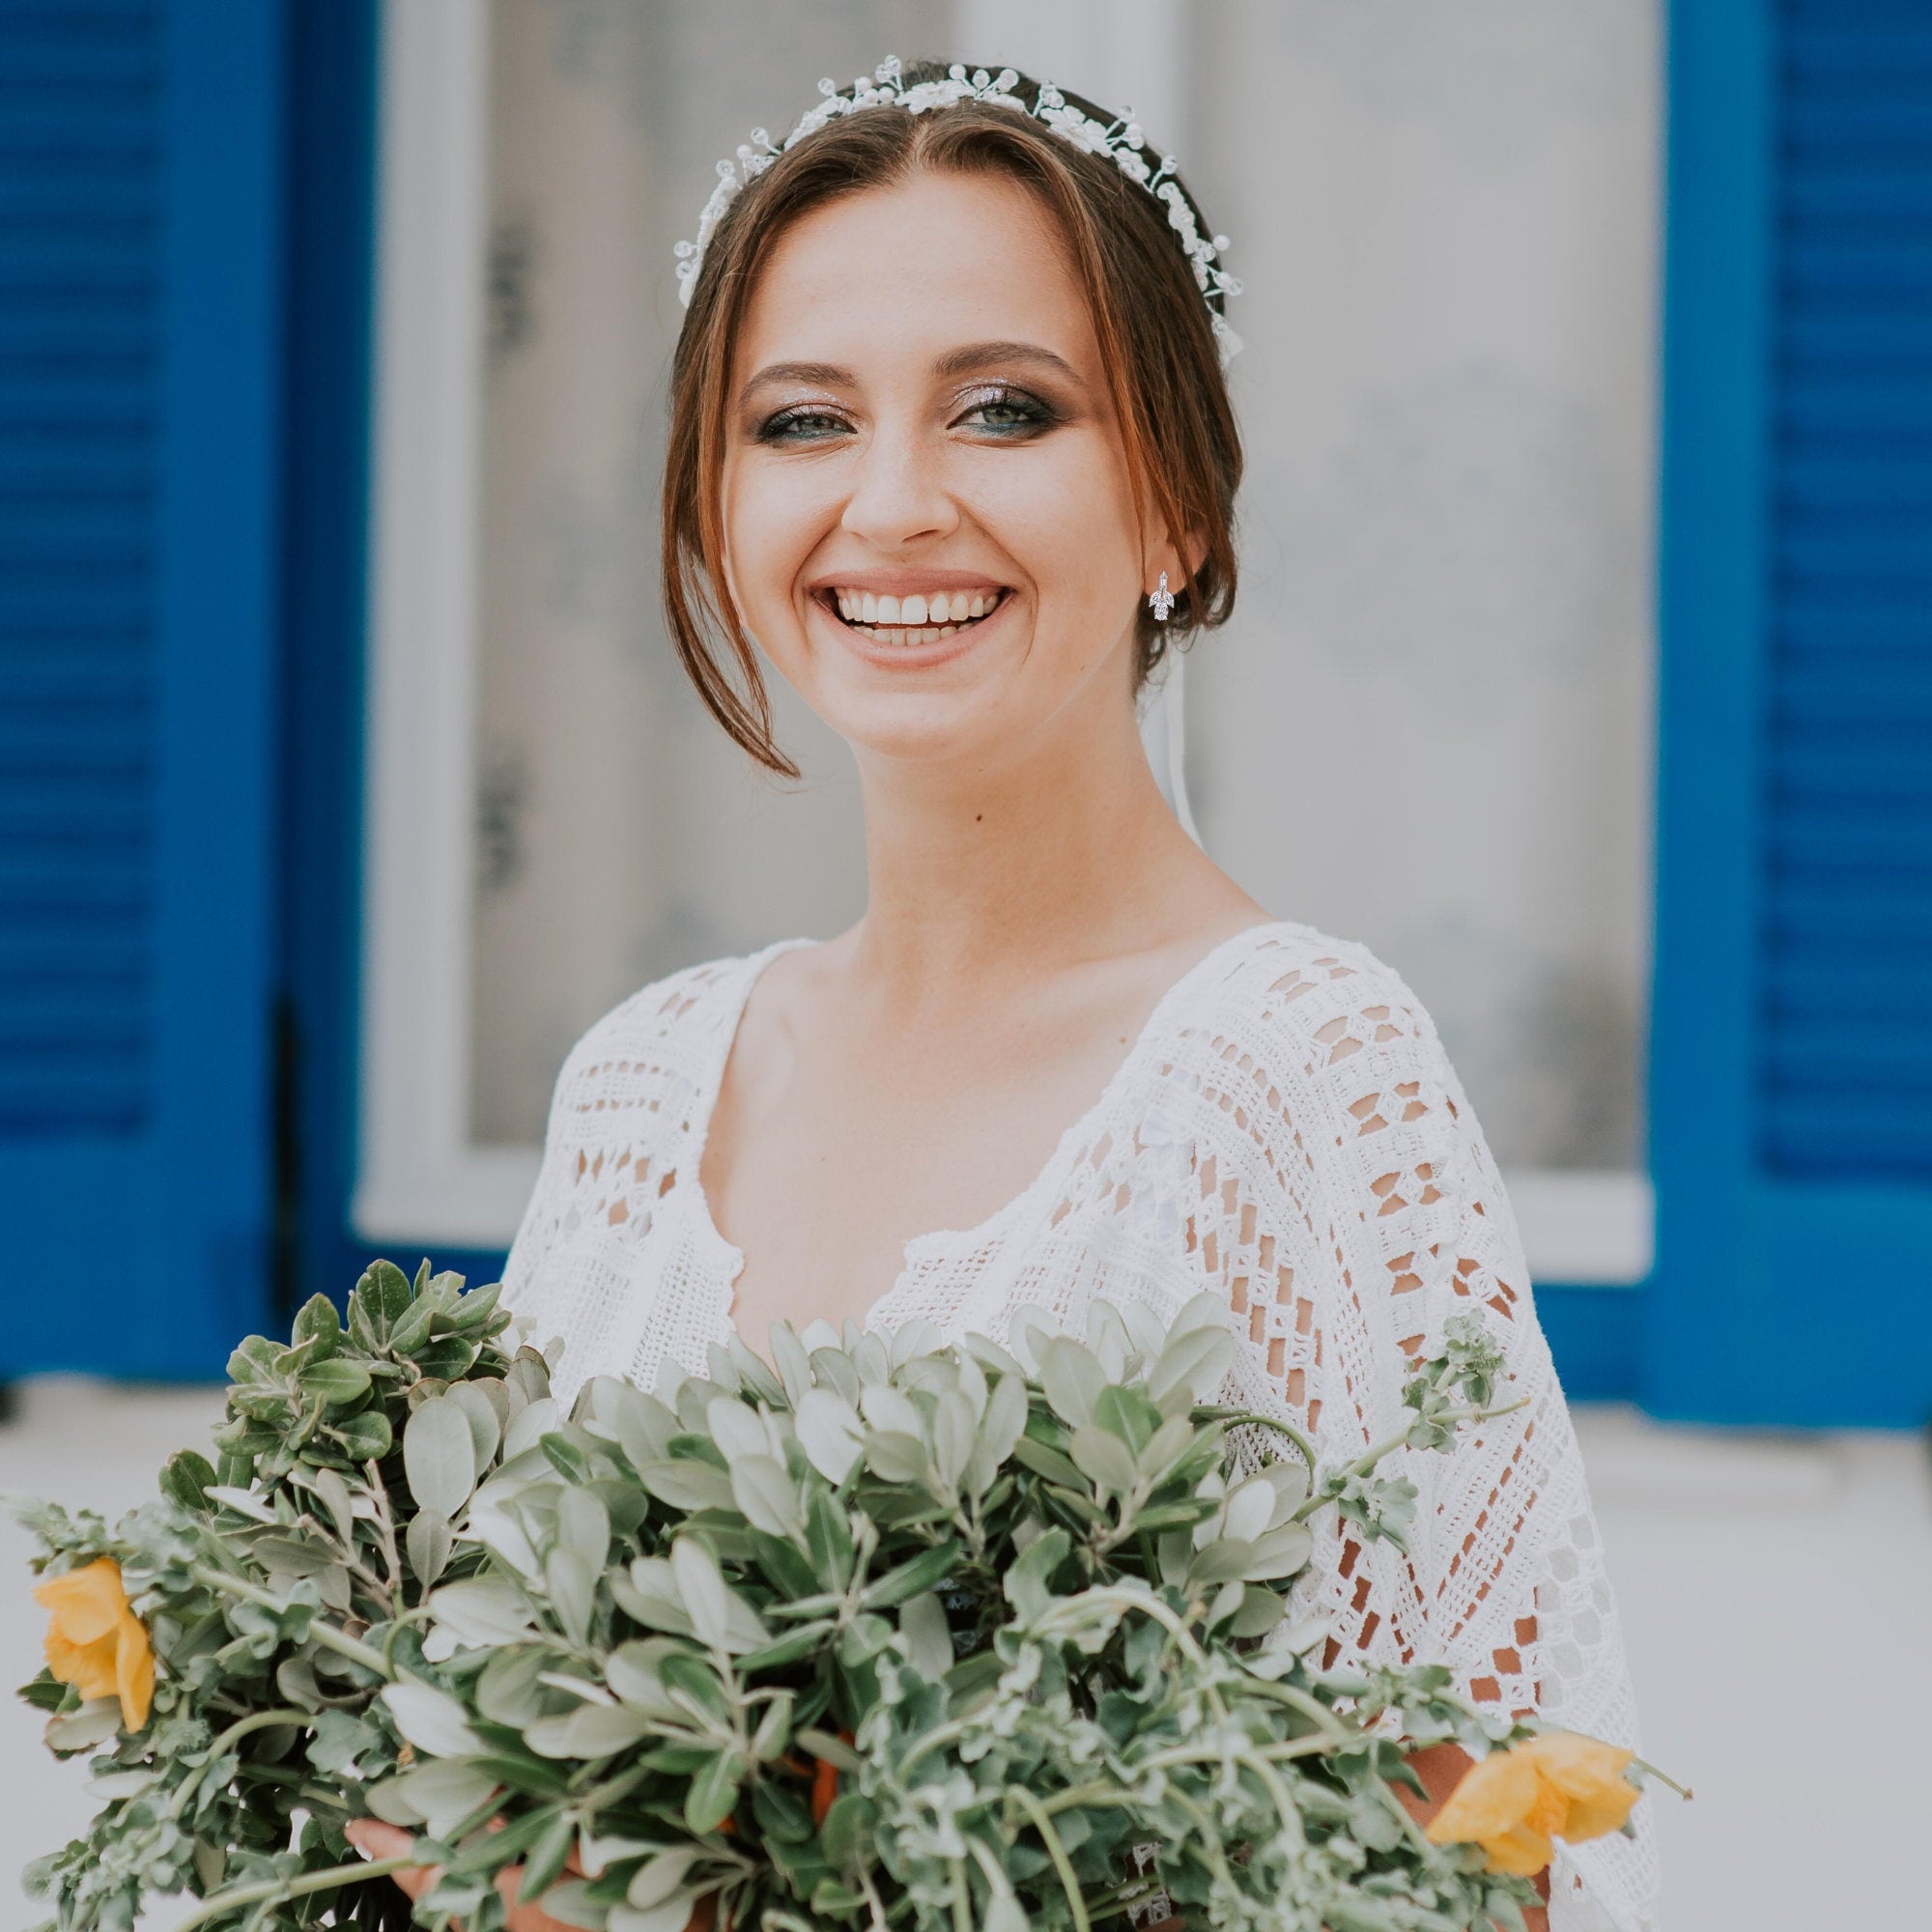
(376,1840)
(1441,1767)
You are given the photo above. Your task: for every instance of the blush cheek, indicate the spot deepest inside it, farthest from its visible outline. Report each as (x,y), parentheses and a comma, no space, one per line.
(772,529)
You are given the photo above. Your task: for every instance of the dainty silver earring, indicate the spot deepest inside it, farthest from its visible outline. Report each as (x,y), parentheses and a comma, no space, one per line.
(1160,600)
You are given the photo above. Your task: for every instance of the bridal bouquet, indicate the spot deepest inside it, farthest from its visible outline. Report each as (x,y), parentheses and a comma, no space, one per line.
(891,1635)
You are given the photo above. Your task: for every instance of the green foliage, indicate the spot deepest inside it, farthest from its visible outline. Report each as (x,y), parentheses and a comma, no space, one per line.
(885,1633)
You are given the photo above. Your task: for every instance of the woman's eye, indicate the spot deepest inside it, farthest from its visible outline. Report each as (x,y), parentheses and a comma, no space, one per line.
(795,426)
(1007,413)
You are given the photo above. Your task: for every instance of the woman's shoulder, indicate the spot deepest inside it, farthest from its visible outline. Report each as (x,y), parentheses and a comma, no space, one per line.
(1286,988)
(666,1035)
(1323,1031)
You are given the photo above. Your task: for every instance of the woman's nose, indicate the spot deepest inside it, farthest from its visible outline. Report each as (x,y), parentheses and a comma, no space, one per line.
(899,492)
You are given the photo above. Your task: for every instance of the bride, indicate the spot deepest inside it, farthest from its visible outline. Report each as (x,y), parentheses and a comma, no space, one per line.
(952,452)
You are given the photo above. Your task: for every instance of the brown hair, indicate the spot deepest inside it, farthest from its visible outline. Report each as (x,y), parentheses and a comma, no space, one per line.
(1156,342)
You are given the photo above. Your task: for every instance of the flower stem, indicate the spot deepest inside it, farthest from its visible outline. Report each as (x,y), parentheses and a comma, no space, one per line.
(1649,1770)
(1235,1418)
(325,1634)
(275,1891)
(259,1720)
(1363,1463)
(1057,1852)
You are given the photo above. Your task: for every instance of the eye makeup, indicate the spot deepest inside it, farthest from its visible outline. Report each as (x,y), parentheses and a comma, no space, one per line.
(1006,413)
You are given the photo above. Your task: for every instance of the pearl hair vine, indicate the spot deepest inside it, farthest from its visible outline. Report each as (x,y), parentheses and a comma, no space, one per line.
(1121,140)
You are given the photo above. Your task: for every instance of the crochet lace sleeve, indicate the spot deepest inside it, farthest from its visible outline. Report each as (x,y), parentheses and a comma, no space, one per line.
(1353,1208)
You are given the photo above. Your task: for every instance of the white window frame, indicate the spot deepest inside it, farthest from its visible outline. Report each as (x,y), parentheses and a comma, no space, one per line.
(421,1176)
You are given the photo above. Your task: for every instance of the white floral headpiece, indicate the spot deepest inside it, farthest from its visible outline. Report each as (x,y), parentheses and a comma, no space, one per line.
(1121,141)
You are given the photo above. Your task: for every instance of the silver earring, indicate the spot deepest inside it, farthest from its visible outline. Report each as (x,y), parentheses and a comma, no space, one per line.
(1161,600)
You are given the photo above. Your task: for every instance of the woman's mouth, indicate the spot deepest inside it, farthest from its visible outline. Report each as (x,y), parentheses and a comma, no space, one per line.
(912,619)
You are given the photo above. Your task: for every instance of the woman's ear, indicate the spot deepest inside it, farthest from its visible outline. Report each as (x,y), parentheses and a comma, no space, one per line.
(1179,560)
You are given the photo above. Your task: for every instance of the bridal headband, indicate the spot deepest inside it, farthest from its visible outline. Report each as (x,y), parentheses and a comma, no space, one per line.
(1121,141)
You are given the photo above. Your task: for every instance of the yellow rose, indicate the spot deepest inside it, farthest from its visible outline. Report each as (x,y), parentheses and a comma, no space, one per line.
(95,1641)
(1554,1785)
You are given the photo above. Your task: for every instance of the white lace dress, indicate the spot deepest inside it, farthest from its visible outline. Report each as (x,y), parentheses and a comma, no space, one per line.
(1285,1132)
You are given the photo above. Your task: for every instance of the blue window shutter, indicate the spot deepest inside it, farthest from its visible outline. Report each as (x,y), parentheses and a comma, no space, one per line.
(140,220)
(1791,1067)
(1847,1052)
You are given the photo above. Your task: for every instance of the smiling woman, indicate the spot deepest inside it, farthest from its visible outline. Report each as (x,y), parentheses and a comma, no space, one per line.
(1128,363)
(951,453)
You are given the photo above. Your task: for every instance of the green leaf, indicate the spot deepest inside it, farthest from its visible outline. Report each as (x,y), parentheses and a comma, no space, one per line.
(1262,1609)
(673,1915)
(590,1732)
(766,1497)
(895,1457)
(365,1437)
(1072,1377)
(687,1483)
(439,1457)
(700,1586)
(924,1571)
(928,1637)
(713,1792)
(442,1794)
(1195,1359)
(316,1322)
(692,1678)
(486,1431)
(431,1720)
(1045,1461)
(583,1527)
(789,1648)
(572,1584)
(656,1879)
(1280,1553)
(413,1330)
(428,1545)
(382,1296)
(1129,1414)
(543,1864)
(830,1433)
(1101,1456)
(849,1831)
(1028,1582)
(337,1380)
(644,1427)
(828,1535)
(186,1479)
(649,1595)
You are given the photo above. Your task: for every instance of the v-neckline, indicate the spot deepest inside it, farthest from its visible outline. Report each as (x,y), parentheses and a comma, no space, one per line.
(698,1200)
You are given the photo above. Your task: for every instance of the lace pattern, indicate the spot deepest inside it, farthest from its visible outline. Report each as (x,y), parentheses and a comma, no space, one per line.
(1287,1131)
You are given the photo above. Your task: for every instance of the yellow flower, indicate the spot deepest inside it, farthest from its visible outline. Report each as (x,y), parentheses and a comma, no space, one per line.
(1554,1785)
(95,1641)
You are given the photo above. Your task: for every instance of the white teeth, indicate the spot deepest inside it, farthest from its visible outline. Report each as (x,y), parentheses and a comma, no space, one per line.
(915,618)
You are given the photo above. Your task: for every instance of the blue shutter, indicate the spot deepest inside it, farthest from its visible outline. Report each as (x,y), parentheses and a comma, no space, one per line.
(80,256)
(140,184)
(1791,1078)
(1847,1056)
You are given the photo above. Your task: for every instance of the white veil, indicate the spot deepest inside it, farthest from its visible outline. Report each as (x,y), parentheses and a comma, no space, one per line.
(1164,733)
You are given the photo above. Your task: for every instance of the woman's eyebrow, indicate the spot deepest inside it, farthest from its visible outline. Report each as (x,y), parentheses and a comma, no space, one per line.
(961,361)
(825,375)
(981,355)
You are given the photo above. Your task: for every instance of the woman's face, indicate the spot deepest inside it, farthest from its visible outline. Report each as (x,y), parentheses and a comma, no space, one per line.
(929,522)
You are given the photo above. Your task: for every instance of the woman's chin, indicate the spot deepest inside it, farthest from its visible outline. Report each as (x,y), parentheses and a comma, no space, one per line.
(929,699)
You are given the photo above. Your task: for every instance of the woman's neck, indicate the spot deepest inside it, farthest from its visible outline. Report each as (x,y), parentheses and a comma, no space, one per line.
(1059,853)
